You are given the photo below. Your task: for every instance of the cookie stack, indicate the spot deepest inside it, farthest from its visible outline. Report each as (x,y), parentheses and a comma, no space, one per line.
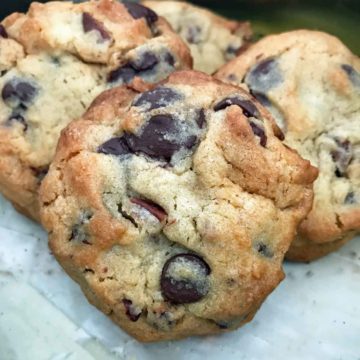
(172,196)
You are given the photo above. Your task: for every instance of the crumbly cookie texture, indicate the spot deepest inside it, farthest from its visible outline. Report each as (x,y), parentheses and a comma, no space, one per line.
(54,61)
(173,208)
(311,83)
(213,40)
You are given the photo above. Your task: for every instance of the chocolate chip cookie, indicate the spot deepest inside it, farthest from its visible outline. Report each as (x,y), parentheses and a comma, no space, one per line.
(173,208)
(311,83)
(54,61)
(212,39)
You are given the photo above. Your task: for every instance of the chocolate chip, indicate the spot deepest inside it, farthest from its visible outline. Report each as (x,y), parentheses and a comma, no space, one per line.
(350,198)
(157,98)
(124,73)
(18,93)
(154,209)
(342,157)
(147,61)
(40,172)
(232,50)
(264,76)
(264,250)
(259,131)
(115,146)
(132,313)
(222,325)
(248,107)
(193,34)
(78,232)
(184,279)
(90,24)
(161,137)
(16,117)
(353,75)
(3,32)
(169,58)
(201,119)
(138,11)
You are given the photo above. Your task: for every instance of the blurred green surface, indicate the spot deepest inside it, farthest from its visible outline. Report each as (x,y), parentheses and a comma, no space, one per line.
(338,17)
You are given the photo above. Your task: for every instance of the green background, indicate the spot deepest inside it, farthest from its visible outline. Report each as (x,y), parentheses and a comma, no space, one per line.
(338,17)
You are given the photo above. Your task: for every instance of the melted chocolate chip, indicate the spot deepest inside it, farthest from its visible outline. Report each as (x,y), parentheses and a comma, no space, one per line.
(78,232)
(342,157)
(184,279)
(3,32)
(350,198)
(18,93)
(248,107)
(161,137)
(264,250)
(40,172)
(147,61)
(193,34)
(201,119)
(124,73)
(259,131)
(353,75)
(157,98)
(16,117)
(279,118)
(264,76)
(127,72)
(90,24)
(169,58)
(138,11)
(115,146)
(132,313)
(154,209)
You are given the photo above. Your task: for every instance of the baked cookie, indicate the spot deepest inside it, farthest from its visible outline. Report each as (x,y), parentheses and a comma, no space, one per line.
(212,39)
(173,208)
(311,83)
(54,61)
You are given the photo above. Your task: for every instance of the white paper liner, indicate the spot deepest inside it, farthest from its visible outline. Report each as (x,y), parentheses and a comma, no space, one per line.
(313,314)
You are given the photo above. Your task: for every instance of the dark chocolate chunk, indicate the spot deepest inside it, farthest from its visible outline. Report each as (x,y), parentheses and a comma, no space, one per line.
(248,107)
(264,250)
(16,117)
(342,157)
(350,198)
(201,119)
(157,98)
(353,75)
(3,32)
(193,34)
(184,279)
(169,58)
(18,93)
(90,24)
(79,233)
(115,146)
(147,61)
(264,76)
(132,313)
(40,172)
(154,209)
(124,73)
(161,137)
(259,131)
(138,11)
